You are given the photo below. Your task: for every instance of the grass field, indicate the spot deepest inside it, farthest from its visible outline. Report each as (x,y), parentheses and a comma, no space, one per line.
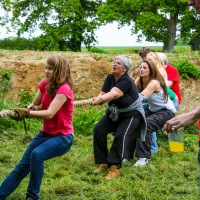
(170,176)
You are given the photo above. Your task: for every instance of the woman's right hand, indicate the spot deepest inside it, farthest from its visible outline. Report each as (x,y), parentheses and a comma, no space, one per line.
(97,101)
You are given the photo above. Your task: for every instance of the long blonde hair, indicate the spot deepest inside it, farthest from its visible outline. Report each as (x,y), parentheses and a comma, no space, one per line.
(160,62)
(62,74)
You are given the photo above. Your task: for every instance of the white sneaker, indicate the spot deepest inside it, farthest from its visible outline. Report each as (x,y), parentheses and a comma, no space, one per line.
(125,160)
(142,162)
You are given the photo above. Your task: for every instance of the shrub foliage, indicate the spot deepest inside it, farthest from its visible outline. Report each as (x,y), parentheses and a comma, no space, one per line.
(187,69)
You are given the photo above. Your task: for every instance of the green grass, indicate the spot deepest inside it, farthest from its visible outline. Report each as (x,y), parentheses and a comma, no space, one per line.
(170,176)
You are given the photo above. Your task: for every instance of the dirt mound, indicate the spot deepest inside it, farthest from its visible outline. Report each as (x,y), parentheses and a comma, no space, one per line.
(88,72)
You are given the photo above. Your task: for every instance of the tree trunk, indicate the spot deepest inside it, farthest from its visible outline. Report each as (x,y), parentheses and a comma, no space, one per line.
(171,29)
(76,46)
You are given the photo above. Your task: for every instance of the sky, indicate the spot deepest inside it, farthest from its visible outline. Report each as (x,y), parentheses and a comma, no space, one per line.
(108,35)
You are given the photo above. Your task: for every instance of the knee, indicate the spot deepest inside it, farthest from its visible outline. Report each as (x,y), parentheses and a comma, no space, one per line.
(120,137)
(37,155)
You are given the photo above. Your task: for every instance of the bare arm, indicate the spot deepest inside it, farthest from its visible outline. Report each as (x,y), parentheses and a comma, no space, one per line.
(115,93)
(183,120)
(162,72)
(101,93)
(37,100)
(53,108)
(170,83)
(151,88)
(137,80)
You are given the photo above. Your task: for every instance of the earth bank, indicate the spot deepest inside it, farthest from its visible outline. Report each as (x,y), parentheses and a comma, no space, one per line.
(88,71)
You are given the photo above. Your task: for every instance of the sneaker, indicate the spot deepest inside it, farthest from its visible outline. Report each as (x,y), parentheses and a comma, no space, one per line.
(142,162)
(101,168)
(29,198)
(125,160)
(113,172)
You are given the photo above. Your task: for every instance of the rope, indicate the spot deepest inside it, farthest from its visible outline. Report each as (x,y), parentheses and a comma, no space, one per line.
(12,113)
(8,113)
(83,102)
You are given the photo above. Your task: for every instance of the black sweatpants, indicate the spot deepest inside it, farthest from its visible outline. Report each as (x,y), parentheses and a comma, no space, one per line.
(155,121)
(123,129)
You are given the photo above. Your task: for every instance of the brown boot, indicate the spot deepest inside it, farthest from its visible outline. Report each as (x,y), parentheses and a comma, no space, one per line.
(113,172)
(101,168)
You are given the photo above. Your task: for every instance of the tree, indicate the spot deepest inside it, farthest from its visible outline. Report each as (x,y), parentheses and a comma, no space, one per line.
(65,23)
(157,20)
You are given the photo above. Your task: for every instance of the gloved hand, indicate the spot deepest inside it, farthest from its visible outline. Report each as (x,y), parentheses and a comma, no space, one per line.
(20,113)
(35,107)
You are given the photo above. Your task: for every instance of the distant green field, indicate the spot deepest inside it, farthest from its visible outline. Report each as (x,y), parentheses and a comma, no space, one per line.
(129,49)
(117,49)
(120,47)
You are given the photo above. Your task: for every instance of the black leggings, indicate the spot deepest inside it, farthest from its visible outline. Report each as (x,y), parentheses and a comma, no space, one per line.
(123,130)
(155,121)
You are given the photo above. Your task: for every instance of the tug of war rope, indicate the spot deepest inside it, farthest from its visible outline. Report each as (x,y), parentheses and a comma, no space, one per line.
(19,114)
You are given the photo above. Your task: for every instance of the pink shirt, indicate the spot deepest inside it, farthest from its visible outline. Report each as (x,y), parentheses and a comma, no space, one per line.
(62,120)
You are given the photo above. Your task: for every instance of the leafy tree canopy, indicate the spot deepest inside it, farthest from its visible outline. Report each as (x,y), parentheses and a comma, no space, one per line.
(65,23)
(157,20)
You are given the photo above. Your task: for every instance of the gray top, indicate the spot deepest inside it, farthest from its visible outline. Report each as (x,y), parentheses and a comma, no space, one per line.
(157,102)
(137,105)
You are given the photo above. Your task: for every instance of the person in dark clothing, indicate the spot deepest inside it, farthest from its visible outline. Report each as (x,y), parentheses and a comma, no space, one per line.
(124,116)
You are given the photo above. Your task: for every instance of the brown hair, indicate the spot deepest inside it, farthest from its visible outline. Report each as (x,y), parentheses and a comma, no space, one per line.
(153,74)
(144,51)
(62,74)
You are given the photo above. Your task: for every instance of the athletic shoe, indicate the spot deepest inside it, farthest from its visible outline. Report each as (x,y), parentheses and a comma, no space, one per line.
(142,162)
(125,160)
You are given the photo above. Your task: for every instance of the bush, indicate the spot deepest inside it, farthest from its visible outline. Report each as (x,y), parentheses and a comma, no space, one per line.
(85,119)
(187,69)
(26,98)
(41,43)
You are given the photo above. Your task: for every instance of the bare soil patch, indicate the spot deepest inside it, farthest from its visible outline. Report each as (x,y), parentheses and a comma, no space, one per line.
(88,72)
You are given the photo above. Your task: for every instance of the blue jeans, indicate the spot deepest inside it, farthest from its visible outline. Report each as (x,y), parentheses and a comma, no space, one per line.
(176,105)
(154,145)
(41,148)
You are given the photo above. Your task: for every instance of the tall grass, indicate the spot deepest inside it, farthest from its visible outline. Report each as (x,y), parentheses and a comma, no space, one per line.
(170,176)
